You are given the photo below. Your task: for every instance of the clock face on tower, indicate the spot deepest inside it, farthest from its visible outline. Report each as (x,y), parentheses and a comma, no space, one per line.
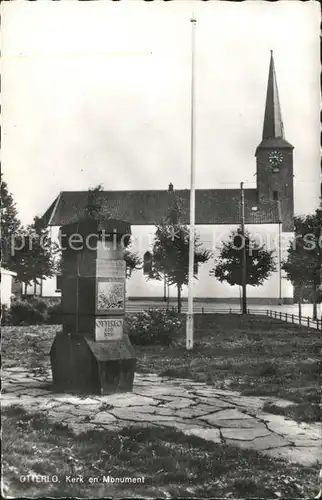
(275,158)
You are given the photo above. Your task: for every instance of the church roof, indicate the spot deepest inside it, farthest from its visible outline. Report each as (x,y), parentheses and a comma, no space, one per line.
(273,123)
(213,206)
(273,128)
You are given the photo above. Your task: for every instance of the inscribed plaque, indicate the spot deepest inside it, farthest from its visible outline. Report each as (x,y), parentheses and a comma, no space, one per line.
(110,268)
(108,329)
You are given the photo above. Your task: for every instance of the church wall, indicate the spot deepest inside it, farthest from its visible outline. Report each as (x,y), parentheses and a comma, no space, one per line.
(207,286)
(49,288)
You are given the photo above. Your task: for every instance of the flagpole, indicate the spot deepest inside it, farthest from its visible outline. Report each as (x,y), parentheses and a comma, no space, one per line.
(189,331)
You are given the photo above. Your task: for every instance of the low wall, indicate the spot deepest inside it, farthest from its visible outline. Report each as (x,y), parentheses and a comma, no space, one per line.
(228,300)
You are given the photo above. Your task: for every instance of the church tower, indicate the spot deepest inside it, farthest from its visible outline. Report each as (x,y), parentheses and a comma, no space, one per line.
(274,157)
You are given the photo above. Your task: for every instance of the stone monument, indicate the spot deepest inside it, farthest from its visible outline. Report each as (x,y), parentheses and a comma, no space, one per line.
(92,354)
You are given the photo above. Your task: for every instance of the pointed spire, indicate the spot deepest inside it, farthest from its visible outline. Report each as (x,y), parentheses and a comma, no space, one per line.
(273,124)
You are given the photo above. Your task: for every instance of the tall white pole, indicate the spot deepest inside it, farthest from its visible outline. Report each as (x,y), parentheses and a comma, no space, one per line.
(280,299)
(244,262)
(189,331)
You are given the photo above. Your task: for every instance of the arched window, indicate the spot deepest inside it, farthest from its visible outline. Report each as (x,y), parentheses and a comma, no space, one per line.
(58,282)
(147,263)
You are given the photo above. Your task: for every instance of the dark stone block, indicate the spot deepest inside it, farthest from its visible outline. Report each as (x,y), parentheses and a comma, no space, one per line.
(69,265)
(80,365)
(92,310)
(78,295)
(82,324)
(96,229)
(69,294)
(86,295)
(87,263)
(86,325)
(70,323)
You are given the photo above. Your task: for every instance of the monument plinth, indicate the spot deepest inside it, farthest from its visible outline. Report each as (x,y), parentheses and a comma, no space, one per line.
(92,353)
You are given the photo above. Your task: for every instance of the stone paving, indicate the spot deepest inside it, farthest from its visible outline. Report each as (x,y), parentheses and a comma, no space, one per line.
(220,416)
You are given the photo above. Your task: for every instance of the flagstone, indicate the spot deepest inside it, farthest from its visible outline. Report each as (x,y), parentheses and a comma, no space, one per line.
(84,402)
(146,382)
(216,402)
(90,408)
(245,434)
(115,427)
(128,399)
(233,414)
(170,397)
(129,414)
(103,417)
(73,419)
(35,384)
(48,403)
(290,428)
(247,402)
(277,420)
(10,384)
(191,407)
(13,400)
(197,385)
(148,375)
(176,381)
(155,392)
(247,423)
(161,410)
(11,390)
(22,378)
(181,426)
(281,403)
(24,399)
(225,393)
(207,391)
(74,410)
(304,442)
(194,411)
(63,410)
(178,403)
(178,394)
(261,443)
(147,409)
(76,400)
(16,369)
(34,392)
(208,434)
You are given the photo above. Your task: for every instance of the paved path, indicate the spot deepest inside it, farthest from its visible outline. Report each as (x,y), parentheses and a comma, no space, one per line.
(193,408)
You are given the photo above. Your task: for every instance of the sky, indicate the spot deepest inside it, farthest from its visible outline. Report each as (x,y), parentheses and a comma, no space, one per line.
(99,93)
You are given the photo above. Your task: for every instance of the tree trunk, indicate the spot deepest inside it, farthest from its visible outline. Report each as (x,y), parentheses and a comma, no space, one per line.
(179,298)
(164,288)
(314,300)
(300,302)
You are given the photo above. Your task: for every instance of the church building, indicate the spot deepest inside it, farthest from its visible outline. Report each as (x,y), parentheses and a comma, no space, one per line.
(269,212)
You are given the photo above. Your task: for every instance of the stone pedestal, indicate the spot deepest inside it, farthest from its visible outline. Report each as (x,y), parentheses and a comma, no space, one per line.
(92,354)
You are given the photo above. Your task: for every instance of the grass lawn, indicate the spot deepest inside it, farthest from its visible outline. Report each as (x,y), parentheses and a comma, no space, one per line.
(255,355)
(172,464)
(258,356)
